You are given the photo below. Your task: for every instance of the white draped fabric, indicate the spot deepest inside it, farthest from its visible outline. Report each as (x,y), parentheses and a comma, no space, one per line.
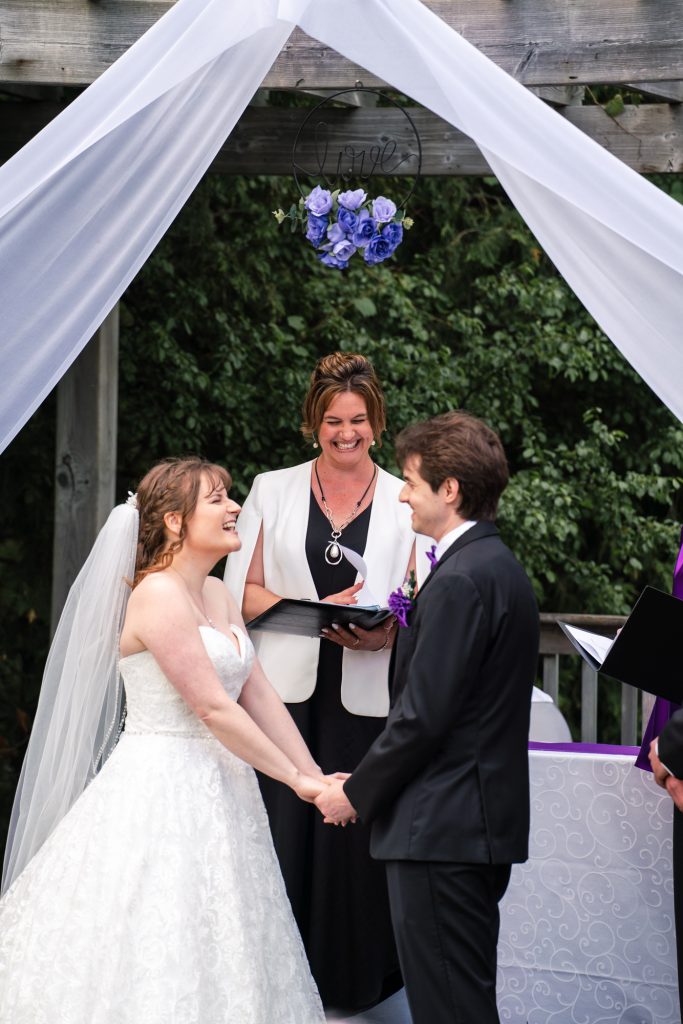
(84,203)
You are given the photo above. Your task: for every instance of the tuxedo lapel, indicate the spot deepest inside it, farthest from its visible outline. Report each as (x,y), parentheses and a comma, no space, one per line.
(476,532)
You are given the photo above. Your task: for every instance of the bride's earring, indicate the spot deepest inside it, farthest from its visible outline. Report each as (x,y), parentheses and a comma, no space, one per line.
(315,443)
(373,443)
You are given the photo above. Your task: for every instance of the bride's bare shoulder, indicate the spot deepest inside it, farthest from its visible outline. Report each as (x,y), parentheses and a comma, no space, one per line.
(155,587)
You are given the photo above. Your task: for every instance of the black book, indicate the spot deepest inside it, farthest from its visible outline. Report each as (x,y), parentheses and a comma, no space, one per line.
(646,653)
(307,618)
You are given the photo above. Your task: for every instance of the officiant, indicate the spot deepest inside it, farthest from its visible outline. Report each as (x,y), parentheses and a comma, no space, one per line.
(293,525)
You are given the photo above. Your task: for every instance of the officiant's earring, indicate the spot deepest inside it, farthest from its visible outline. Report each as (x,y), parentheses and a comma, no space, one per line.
(315,443)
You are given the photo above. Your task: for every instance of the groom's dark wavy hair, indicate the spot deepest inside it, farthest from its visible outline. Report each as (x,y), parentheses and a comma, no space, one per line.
(456,444)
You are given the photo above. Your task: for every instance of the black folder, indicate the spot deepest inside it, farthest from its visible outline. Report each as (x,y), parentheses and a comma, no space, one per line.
(307,618)
(647,653)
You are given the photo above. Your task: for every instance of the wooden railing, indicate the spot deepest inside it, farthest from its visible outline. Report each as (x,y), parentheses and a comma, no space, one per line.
(555,645)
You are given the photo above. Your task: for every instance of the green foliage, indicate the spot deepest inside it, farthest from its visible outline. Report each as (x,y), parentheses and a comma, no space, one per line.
(220,332)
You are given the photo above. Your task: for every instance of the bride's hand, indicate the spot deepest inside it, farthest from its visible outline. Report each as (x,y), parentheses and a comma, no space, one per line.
(308,788)
(347,596)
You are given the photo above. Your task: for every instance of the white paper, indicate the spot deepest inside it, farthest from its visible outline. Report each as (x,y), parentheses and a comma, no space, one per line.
(596,645)
(365,597)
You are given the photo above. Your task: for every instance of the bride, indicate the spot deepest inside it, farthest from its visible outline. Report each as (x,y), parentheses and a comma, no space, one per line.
(148,892)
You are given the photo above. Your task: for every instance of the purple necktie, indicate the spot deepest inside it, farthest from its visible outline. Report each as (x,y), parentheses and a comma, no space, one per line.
(663,709)
(431,555)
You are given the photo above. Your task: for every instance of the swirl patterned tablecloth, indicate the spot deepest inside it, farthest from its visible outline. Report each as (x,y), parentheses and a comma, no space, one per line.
(587,925)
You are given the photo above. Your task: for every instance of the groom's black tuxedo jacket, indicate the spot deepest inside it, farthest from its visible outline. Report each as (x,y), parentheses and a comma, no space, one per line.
(448,778)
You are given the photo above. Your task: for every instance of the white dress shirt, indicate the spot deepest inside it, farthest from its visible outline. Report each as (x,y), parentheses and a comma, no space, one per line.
(446,541)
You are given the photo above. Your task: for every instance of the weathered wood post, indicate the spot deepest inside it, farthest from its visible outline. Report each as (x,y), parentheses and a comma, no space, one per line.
(85,467)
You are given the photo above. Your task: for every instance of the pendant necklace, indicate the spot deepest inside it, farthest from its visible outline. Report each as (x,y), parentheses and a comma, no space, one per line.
(333,551)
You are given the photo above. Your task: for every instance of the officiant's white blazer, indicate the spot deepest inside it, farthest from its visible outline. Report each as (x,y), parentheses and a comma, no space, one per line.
(279,501)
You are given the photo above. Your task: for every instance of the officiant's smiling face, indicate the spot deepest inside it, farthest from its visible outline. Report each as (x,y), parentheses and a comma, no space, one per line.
(434,512)
(345,433)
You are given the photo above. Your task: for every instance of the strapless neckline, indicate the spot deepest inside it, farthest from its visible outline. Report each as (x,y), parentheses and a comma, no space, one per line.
(239,651)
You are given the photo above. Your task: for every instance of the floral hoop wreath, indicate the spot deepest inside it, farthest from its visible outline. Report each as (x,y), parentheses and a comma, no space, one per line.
(338,223)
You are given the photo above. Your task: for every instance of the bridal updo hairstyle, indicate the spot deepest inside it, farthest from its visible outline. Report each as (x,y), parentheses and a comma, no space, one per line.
(456,444)
(170,486)
(332,376)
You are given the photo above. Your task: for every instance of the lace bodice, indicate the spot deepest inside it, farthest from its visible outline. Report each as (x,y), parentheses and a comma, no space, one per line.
(154,706)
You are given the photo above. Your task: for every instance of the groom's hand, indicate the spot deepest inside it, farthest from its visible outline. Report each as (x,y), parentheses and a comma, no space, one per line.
(334,805)
(660,773)
(674,788)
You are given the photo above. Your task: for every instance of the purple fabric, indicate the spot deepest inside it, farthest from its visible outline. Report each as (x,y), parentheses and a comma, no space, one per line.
(663,709)
(431,555)
(583,748)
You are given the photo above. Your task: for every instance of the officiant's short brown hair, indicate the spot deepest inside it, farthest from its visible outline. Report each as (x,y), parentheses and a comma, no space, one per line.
(456,444)
(335,374)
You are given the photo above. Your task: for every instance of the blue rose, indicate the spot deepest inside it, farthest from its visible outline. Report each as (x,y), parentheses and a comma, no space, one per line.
(317,226)
(377,250)
(331,260)
(383,209)
(366,227)
(347,219)
(394,234)
(319,201)
(352,200)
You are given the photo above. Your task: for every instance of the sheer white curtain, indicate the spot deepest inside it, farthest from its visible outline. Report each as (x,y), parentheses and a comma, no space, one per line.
(84,203)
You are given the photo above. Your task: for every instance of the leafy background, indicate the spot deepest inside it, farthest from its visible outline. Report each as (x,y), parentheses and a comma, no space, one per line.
(221,330)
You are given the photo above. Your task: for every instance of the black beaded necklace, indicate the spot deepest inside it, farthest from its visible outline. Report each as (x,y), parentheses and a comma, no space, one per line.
(333,552)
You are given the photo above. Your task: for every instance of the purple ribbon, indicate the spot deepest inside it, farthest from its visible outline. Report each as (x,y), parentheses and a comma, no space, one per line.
(663,709)
(582,748)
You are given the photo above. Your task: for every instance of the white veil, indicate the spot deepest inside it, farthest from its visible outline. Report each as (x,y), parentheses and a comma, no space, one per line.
(80,708)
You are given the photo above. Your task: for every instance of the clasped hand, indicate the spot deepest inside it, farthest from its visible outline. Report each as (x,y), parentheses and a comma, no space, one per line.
(665,779)
(327,793)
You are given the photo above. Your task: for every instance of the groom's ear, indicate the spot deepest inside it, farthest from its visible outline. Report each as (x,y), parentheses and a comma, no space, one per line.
(451,491)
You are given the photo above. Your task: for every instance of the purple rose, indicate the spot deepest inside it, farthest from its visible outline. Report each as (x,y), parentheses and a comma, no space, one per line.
(377,250)
(319,201)
(394,234)
(344,250)
(330,260)
(335,233)
(347,220)
(317,227)
(383,209)
(365,229)
(352,200)
(400,605)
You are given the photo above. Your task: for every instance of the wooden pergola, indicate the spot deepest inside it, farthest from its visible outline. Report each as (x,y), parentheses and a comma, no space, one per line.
(50,49)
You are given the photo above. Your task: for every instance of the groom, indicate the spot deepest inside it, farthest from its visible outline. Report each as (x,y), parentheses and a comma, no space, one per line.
(446,783)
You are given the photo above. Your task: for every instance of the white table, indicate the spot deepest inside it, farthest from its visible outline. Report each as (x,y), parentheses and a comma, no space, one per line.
(587,930)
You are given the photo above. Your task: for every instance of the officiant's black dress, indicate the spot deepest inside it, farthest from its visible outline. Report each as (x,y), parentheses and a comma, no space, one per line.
(338,893)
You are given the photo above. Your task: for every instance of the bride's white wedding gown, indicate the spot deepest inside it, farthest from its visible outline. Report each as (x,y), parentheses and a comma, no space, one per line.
(158,899)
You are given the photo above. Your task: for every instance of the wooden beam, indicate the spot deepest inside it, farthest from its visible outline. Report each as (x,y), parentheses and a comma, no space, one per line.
(648,138)
(671,91)
(85,472)
(540,42)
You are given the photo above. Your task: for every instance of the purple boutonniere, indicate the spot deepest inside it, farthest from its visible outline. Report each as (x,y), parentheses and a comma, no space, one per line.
(401,600)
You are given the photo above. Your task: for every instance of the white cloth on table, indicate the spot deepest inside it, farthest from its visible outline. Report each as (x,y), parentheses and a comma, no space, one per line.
(587,925)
